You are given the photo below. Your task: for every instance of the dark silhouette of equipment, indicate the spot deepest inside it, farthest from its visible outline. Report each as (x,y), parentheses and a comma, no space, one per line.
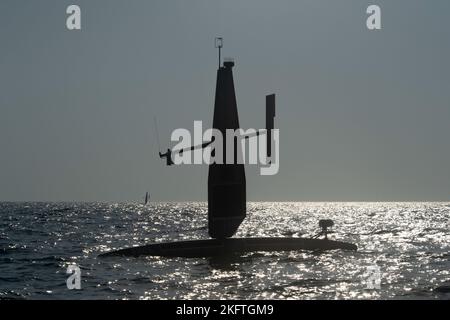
(270,115)
(168,156)
(324,224)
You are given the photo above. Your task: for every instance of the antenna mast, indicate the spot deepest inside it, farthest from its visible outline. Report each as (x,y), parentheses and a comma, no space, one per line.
(157,134)
(219,45)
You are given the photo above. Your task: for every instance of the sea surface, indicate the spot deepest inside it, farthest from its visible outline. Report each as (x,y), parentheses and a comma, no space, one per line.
(404,245)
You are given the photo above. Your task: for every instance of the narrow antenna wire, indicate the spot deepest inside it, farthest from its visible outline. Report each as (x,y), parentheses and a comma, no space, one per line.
(157,134)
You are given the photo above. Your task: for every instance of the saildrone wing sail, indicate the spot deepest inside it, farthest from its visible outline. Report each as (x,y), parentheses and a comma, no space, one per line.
(226,182)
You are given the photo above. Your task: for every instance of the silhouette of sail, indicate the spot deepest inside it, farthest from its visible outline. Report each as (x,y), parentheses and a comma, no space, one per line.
(226,182)
(146,198)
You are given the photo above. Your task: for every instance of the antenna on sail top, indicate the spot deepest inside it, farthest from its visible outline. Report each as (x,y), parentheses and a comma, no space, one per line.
(219,44)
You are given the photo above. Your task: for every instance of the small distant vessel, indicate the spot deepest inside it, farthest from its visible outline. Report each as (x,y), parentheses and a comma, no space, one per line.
(147,198)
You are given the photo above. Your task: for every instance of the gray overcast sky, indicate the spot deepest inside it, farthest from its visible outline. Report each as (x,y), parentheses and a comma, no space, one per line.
(363,115)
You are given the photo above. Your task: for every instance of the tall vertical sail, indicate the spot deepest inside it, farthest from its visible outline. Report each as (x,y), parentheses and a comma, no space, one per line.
(226,182)
(270,115)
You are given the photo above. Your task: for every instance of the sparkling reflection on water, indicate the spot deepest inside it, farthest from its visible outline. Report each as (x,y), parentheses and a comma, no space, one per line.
(409,242)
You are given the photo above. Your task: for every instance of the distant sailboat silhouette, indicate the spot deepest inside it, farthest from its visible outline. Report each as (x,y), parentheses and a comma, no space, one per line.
(227,195)
(147,198)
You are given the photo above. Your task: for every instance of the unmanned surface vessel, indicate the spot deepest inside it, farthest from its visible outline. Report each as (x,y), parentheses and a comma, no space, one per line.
(227,194)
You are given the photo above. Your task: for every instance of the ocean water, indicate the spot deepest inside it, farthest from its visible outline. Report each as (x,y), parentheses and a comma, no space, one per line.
(407,244)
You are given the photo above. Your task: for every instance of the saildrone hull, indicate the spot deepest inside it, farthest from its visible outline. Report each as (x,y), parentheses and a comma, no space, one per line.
(233,246)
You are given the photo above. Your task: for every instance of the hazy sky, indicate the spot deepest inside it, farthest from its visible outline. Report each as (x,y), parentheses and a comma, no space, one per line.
(363,115)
